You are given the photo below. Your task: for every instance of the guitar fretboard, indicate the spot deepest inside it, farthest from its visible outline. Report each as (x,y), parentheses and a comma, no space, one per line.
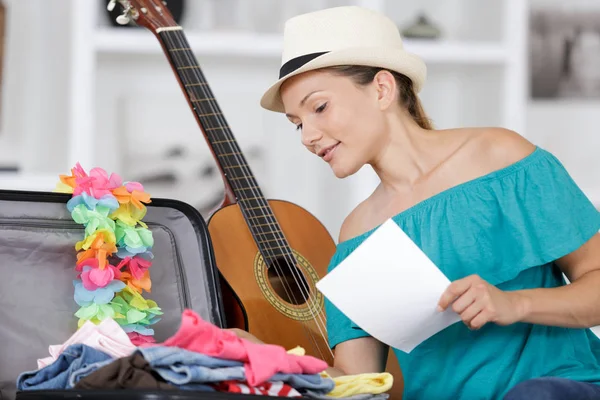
(255,208)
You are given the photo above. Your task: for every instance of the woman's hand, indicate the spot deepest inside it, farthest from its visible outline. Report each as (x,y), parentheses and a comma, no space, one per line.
(477,302)
(245,335)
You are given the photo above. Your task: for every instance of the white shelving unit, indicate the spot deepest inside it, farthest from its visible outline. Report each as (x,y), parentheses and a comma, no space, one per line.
(242,44)
(97,51)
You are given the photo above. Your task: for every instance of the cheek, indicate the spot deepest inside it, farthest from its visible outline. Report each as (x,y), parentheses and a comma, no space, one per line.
(344,125)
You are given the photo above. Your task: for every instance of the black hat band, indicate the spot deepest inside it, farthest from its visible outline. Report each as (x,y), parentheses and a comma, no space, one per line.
(298,62)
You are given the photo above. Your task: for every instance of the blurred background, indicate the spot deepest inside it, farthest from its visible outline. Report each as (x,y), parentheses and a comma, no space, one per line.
(77,88)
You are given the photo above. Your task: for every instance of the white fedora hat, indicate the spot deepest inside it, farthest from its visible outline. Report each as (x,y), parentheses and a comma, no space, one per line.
(336,36)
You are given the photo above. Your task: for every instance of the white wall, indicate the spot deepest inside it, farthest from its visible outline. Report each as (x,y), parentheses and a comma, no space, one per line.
(34,103)
(569,128)
(133,94)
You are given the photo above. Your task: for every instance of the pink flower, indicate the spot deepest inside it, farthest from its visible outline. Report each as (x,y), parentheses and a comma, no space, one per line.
(97,184)
(134,186)
(137,266)
(95,278)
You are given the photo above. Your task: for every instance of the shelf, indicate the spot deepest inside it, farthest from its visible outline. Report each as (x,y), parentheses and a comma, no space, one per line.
(141,41)
(245,44)
(29,182)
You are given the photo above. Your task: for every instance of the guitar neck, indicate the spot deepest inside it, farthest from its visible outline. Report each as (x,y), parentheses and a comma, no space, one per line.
(220,138)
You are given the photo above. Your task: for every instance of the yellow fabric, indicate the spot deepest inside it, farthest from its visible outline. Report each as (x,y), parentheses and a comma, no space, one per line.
(351,385)
(297,351)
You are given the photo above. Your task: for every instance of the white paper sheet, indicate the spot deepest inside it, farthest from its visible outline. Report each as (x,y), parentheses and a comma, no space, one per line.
(390,289)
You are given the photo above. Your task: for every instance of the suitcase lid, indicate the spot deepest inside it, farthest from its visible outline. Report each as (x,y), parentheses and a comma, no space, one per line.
(37,269)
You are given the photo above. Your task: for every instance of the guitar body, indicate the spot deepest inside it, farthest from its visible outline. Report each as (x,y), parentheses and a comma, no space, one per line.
(245,300)
(270,253)
(264,307)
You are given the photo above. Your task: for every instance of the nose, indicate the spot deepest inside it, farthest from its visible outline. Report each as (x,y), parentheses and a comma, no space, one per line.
(310,135)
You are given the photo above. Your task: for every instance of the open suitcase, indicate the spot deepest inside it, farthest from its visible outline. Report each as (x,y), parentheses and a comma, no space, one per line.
(37,238)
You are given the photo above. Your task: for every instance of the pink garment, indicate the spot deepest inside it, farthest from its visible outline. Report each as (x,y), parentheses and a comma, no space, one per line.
(261,361)
(108,337)
(138,339)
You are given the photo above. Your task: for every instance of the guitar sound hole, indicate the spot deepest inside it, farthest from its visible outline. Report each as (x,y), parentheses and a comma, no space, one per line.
(288,282)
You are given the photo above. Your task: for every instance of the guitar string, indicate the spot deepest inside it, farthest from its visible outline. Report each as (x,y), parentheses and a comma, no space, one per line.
(223,127)
(293,270)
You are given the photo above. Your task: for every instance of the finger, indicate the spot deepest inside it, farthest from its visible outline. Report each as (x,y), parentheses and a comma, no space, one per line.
(471,312)
(479,320)
(464,301)
(453,291)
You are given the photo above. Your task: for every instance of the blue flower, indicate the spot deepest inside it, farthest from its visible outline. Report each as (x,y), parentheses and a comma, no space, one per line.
(141,329)
(108,201)
(104,295)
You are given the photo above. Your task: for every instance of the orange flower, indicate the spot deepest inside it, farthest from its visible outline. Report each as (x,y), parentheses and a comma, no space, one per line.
(136,197)
(98,249)
(137,284)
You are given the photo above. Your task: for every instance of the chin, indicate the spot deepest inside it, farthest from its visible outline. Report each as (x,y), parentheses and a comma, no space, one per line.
(344,171)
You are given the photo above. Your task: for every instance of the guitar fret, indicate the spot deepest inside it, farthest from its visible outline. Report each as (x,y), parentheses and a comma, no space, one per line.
(220,141)
(255,208)
(267,224)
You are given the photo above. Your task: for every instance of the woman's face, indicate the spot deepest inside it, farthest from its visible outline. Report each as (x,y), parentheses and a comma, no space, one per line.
(339,121)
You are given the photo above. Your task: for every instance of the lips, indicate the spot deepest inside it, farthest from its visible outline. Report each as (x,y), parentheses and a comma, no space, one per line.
(327,152)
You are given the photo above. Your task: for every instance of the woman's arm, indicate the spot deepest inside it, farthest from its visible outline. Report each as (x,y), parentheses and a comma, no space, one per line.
(358,356)
(575,305)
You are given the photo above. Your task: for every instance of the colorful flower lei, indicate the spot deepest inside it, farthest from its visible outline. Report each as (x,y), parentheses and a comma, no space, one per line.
(114,257)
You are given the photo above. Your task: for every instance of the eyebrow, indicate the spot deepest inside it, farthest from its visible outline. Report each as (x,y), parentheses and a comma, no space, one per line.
(303,101)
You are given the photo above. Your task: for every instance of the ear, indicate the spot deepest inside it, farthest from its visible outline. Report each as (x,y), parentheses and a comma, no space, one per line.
(386,88)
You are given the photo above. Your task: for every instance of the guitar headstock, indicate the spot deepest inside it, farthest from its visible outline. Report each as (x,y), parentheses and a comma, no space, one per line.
(151,14)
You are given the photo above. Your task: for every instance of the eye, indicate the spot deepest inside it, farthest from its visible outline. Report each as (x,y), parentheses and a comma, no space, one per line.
(298,127)
(321,108)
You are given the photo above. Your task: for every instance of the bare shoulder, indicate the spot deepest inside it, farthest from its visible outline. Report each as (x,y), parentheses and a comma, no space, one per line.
(355,223)
(504,146)
(491,149)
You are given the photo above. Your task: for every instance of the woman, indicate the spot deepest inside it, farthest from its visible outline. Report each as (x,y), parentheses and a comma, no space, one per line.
(499,216)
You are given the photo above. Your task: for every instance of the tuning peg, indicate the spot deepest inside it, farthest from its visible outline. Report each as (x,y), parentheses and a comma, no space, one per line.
(123,19)
(111,5)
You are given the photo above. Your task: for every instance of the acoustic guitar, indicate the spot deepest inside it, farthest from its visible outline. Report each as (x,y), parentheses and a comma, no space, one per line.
(270,253)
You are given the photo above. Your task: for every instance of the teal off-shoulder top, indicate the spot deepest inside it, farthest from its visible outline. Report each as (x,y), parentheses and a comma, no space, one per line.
(508,227)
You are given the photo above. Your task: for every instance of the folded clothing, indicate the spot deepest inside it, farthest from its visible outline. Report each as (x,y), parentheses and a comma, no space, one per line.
(183,367)
(261,361)
(366,396)
(107,337)
(131,372)
(360,384)
(57,375)
(277,389)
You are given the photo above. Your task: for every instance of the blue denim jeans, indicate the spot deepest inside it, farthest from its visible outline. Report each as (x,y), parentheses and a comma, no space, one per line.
(84,371)
(551,388)
(182,367)
(314,384)
(57,374)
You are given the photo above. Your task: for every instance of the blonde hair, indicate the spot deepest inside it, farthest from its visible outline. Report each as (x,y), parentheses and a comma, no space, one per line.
(363,75)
